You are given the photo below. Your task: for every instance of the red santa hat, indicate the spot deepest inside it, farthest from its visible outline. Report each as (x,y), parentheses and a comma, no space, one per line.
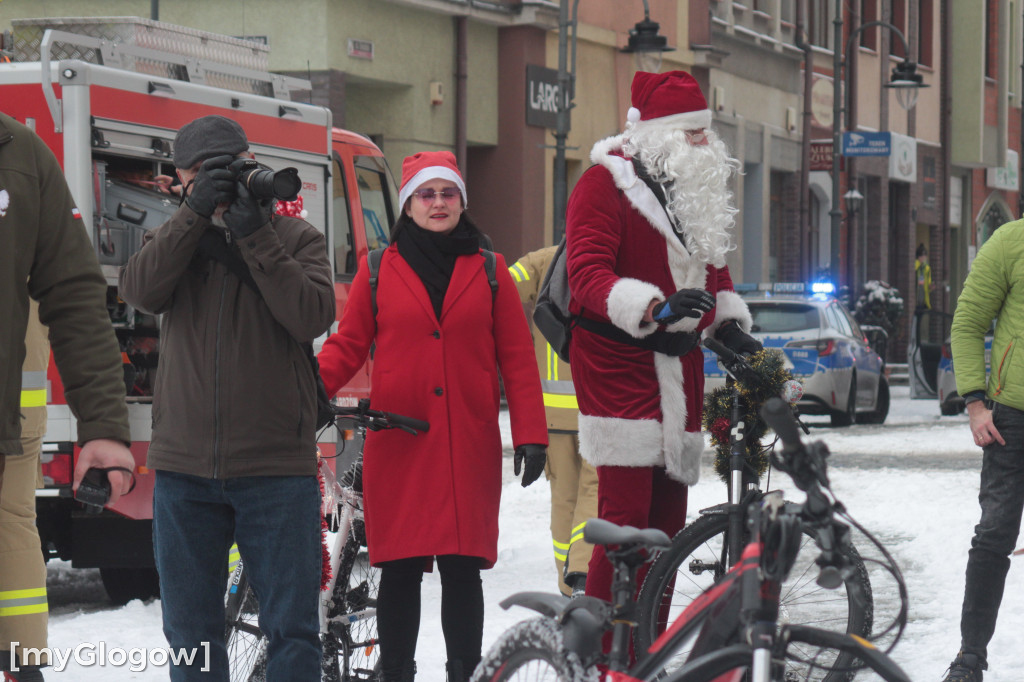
(671,100)
(425,166)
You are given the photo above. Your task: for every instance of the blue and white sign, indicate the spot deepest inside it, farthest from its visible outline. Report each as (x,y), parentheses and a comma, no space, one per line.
(867,144)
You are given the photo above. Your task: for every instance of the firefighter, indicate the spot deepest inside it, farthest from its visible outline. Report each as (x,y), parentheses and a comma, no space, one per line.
(46,254)
(573,480)
(23,606)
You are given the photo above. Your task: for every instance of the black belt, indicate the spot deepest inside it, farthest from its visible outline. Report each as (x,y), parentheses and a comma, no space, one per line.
(675,344)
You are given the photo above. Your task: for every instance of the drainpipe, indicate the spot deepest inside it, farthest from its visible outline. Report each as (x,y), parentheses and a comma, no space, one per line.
(461,90)
(806,257)
(154,10)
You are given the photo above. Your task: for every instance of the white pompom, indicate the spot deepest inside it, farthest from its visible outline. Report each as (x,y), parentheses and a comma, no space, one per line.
(633,115)
(303,213)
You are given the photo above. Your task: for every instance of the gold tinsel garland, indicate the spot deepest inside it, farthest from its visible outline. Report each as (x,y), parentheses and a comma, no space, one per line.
(768,364)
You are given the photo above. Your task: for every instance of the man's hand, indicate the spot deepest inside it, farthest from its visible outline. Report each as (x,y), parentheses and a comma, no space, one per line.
(246,214)
(683,303)
(536,456)
(214,184)
(737,340)
(101,454)
(982,428)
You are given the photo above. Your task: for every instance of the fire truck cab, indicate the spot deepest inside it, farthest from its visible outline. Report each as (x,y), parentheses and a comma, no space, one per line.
(109,108)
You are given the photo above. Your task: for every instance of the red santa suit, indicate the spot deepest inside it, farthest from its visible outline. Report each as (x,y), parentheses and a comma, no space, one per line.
(639,409)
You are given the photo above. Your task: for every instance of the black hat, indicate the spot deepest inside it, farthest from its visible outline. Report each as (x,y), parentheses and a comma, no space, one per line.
(207,137)
(921,250)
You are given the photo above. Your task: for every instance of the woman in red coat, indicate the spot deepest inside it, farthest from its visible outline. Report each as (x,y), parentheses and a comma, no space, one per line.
(441,336)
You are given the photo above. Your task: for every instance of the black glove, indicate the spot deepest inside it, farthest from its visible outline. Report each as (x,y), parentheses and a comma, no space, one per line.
(736,340)
(247,213)
(214,184)
(683,303)
(535,456)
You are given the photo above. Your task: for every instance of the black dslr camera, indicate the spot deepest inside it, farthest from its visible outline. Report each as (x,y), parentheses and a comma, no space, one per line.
(263,183)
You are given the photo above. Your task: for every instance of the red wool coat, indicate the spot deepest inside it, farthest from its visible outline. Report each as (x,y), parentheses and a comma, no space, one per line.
(437,492)
(637,407)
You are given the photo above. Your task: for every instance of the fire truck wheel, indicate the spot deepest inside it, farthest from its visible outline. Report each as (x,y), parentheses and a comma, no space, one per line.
(124,584)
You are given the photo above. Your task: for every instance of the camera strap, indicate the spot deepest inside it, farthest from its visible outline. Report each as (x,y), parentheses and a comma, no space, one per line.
(214,246)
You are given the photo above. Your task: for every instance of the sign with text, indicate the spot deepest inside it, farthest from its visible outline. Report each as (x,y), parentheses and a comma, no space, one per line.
(821,156)
(863,143)
(1007,177)
(542,96)
(360,49)
(903,159)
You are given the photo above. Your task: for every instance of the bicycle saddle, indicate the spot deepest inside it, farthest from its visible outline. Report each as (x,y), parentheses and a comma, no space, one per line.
(601,532)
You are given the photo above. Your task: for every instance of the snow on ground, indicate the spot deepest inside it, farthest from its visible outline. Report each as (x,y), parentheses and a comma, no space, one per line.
(913,482)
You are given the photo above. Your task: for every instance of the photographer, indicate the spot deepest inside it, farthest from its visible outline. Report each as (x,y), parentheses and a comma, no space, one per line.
(234,405)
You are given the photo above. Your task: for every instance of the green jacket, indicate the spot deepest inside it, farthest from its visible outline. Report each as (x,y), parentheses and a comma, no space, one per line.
(46,253)
(994,285)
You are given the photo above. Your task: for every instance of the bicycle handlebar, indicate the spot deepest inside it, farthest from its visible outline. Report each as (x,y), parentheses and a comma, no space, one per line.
(779,416)
(376,420)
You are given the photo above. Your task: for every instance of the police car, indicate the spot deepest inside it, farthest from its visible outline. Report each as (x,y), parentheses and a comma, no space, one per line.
(950,400)
(824,348)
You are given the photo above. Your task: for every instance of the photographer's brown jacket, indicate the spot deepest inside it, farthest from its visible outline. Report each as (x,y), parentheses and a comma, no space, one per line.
(235,393)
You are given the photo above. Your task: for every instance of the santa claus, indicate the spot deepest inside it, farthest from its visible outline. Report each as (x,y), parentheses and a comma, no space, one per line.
(648,229)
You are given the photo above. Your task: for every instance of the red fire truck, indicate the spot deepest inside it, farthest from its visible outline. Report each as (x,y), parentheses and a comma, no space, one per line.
(109,108)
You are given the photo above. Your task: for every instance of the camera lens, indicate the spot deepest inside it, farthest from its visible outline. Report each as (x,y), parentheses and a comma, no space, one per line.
(266,184)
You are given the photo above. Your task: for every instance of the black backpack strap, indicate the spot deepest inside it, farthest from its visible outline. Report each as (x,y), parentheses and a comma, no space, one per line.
(491,268)
(659,194)
(373,262)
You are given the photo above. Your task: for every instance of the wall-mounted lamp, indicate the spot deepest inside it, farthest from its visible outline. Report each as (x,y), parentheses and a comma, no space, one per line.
(854,202)
(646,44)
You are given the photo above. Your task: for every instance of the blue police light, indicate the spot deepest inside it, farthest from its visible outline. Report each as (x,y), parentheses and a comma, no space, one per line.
(823,288)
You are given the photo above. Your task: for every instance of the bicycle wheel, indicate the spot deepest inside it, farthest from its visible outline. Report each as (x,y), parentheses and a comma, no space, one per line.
(696,561)
(532,651)
(858,653)
(351,651)
(246,645)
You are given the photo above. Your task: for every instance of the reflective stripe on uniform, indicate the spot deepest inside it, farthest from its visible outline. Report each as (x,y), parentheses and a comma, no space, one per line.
(233,557)
(557,392)
(33,389)
(561,549)
(577,533)
(23,602)
(519,273)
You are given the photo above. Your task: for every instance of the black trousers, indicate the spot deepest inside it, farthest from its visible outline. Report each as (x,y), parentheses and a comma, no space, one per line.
(1002,502)
(398,609)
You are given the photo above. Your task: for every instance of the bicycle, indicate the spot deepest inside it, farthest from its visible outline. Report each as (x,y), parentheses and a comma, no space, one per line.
(704,551)
(735,630)
(348,601)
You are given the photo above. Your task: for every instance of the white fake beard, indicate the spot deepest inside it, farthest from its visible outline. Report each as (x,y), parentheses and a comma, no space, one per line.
(696,180)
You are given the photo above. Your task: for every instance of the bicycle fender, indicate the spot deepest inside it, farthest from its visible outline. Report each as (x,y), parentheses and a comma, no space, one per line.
(544,603)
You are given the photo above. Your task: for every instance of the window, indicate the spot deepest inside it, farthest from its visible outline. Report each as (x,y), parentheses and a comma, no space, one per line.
(899,20)
(779,318)
(375,196)
(837,321)
(926,22)
(818,24)
(344,250)
(869,13)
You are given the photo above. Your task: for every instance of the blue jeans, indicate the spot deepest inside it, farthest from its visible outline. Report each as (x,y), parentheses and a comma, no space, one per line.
(275,520)
(1002,502)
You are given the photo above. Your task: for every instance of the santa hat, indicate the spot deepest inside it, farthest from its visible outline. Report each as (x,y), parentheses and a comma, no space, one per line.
(291,208)
(671,100)
(425,166)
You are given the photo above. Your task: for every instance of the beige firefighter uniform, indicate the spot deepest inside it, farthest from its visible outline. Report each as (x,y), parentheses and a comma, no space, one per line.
(23,606)
(573,480)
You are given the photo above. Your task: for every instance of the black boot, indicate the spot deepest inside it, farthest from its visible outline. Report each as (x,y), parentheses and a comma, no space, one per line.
(965,668)
(403,672)
(460,670)
(25,673)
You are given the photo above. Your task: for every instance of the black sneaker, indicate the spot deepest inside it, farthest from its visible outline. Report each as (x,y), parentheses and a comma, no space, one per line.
(965,668)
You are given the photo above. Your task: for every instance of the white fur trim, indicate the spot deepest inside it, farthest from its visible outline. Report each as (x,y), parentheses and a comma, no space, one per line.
(628,301)
(633,115)
(681,450)
(612,441)
(729,306)
(432,173)
(690,120)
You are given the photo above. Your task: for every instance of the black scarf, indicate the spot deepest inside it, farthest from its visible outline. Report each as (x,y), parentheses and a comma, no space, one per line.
(432,256)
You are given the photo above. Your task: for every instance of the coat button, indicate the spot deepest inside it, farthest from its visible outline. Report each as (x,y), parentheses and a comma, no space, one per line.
(437,333)
(438,391)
